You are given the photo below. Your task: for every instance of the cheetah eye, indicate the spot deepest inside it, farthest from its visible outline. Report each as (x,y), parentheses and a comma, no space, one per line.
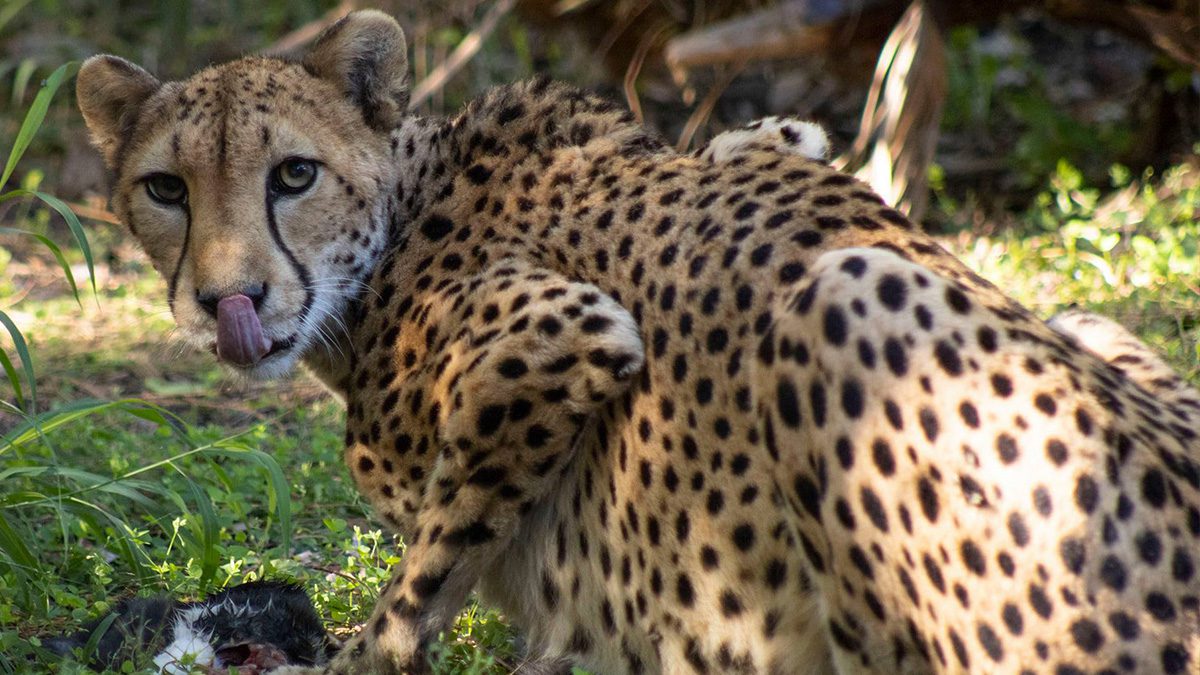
(166,189)
(294,175)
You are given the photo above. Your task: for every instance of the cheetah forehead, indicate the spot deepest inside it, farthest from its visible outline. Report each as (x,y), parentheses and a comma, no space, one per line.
(237,114)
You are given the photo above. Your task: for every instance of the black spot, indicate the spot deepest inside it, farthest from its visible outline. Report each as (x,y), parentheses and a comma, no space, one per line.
(1124,625)
(1154,489)
(743,537)
(425,586)
(896,357)
(1006,448)
(948,358)
(1040,602)
(1174,658)
(874,508)
(845,452)
(884,459)
(1149,547)
(816,397)
(1002,385)
(1044,403)
(960,649)
(731,605)
(1112,573)
(788,403)
(929,499)
(929,424)
(510,113)
(1086,494)
(512,368)
(1182,567)
(478,174)
(1042,502)
(595,323)
(684,590)
(1073,553)
(892,291)
(436,226)
(717,340)
(1087,635)
(1056,451)
(489,419)
(1012,619)
(973,558)
(835,325)
(852,399)
(1160,607)
(808,494)
(991,643)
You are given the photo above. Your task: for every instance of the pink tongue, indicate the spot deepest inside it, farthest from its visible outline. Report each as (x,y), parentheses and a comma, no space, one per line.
(240,339)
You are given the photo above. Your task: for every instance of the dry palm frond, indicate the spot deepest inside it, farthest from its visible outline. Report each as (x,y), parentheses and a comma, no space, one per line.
(899,128)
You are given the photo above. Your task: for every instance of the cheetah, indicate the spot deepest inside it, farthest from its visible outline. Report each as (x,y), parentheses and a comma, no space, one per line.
(715,413)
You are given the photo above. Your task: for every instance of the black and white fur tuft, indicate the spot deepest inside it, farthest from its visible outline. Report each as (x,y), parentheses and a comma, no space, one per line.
(225,630)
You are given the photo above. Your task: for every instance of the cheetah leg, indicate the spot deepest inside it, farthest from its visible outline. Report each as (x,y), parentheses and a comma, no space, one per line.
(962,479)
(538,356)
(1114,344)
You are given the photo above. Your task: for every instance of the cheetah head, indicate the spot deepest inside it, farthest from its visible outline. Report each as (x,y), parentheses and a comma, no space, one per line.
(258,188)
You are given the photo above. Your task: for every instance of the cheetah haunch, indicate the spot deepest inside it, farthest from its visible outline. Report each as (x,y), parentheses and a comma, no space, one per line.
(714,413)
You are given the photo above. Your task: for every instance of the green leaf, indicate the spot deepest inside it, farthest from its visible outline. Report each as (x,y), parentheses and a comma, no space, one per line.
(76,230)
(278,489)
(20,558)
(67,413)
(9,10)
(94,641)
(13,378)
(37,113)
(58,255)
(23,355)
(210,554)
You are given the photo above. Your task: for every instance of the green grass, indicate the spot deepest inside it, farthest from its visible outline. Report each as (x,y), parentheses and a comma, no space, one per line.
(1131,252)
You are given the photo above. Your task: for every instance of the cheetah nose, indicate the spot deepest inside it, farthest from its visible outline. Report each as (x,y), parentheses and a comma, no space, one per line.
(208,299)
(240,338)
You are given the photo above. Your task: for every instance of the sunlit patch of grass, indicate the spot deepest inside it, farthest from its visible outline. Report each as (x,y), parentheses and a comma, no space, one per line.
(1132,254)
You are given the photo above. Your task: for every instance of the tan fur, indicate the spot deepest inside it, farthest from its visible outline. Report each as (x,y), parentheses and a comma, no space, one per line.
(716,413)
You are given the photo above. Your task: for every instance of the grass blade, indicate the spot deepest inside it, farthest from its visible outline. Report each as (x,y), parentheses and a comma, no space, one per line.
(12,545)
(279,496)
(23,355)
(76,231)
(14,379)
(58,255)
(93,642)
(35,116)
(50,420)
(207,534)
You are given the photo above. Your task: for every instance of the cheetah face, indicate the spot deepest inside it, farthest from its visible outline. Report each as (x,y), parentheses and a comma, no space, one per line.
(259,188)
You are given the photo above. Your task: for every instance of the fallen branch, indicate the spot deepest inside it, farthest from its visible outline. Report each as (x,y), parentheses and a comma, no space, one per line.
(700,115)
(461,54)
(309,31)
(787,29)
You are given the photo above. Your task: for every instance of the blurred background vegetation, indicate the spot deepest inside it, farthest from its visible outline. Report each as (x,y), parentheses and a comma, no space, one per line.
(1052,150)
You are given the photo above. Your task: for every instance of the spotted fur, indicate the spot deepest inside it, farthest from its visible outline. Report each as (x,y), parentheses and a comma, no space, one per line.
(718,414)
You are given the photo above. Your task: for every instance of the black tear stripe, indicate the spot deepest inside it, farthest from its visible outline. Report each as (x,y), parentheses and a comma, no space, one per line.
(187,236)
(301,270)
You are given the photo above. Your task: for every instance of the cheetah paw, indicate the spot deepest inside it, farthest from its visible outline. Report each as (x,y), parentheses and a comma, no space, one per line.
(789,135)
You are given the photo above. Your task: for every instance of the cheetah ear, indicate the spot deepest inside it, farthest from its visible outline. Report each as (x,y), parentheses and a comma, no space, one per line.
(111,91)
(366,55)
